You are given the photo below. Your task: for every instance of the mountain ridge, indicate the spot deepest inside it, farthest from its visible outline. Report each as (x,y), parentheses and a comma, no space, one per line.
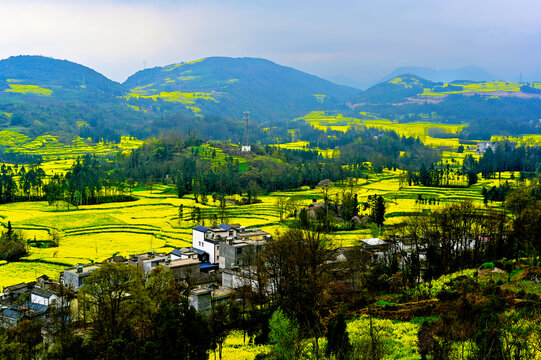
(469,72)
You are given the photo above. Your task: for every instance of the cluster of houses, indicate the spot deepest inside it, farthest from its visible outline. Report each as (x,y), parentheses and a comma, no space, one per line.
(211,266)
(214,266)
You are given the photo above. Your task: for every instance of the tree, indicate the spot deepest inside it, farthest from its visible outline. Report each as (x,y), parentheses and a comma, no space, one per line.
(296,264)
(158,285)
(293,204)
(12,245)
(349,207)
(115,300)
(337,338)
(284,337)
(180,214)
(281,207)
(377,209)
(224,317)
(179,332)
(67,344)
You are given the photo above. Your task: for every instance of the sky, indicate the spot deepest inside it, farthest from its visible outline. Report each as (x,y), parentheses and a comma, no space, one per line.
(351,41)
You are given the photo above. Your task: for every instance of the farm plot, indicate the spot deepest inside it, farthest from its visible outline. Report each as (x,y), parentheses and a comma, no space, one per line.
(321,120)
(96,232)
(50,148)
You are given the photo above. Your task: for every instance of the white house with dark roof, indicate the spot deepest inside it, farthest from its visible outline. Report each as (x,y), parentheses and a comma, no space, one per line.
(210,240)
(42,296)
(207,240)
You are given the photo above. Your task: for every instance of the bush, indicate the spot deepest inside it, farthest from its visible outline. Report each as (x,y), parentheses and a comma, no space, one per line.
(488,265)
(448,295)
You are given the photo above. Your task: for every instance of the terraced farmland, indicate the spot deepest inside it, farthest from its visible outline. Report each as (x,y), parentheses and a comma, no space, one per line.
(321,120)
(94,233)
(50,148)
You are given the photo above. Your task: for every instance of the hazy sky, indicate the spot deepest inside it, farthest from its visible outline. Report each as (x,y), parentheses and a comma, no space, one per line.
(360,40)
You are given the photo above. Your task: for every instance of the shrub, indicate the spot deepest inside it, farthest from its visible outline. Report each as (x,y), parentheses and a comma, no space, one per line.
(488,265)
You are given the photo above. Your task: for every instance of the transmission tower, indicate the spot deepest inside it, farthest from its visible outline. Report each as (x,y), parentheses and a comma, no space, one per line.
(246,140)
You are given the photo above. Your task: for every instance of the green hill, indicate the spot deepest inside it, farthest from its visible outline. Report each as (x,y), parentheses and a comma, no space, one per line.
(395,90)
(40,95)
(489,107)
(61,78)
(228,86)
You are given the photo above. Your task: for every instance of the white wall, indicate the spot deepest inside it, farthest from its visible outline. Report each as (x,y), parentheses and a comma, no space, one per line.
(41,300)
(198,242)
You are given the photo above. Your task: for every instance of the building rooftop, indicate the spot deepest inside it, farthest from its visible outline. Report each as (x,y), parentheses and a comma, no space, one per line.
(182,262)
(42,292)
(146,256)
(201,228)
(176,252)
(28,308)
(86,268)
(15,287)
(374,242)
(225,226)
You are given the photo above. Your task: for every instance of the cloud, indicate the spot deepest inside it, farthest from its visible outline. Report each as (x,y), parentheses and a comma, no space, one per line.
(360,39)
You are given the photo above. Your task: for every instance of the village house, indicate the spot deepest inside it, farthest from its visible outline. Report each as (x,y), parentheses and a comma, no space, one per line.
(11,293)
(483,146)
(43,296)
(44,281)
(73,277)
(189,253)
(184,269)
(240,250)
(13,315)
(209,239)
(117,259)
(148,261)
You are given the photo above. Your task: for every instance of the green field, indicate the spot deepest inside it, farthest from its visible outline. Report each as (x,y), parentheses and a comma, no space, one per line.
(94,233)
(480,87)
(321,120)
(50,148)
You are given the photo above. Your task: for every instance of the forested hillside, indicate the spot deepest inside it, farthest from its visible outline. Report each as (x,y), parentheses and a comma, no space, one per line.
(40,95)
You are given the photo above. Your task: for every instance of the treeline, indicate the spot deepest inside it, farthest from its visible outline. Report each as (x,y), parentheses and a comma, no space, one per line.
(126,315)
(19,184)
(386,149)
(486,116)
(180,160)
(438,177)
(462,236)
(506,157)
(89,181)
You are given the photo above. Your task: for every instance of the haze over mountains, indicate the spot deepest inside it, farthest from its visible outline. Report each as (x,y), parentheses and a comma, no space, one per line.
(470,72)
(42,95)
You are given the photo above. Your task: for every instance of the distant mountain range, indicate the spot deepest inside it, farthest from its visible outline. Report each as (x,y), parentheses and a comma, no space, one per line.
(471,73)
(40,95)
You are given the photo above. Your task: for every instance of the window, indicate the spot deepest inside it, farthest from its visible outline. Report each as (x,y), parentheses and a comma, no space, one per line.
(238,261)
(239,251)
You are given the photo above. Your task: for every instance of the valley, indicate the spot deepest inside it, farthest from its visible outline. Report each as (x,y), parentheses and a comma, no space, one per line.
(440,180)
